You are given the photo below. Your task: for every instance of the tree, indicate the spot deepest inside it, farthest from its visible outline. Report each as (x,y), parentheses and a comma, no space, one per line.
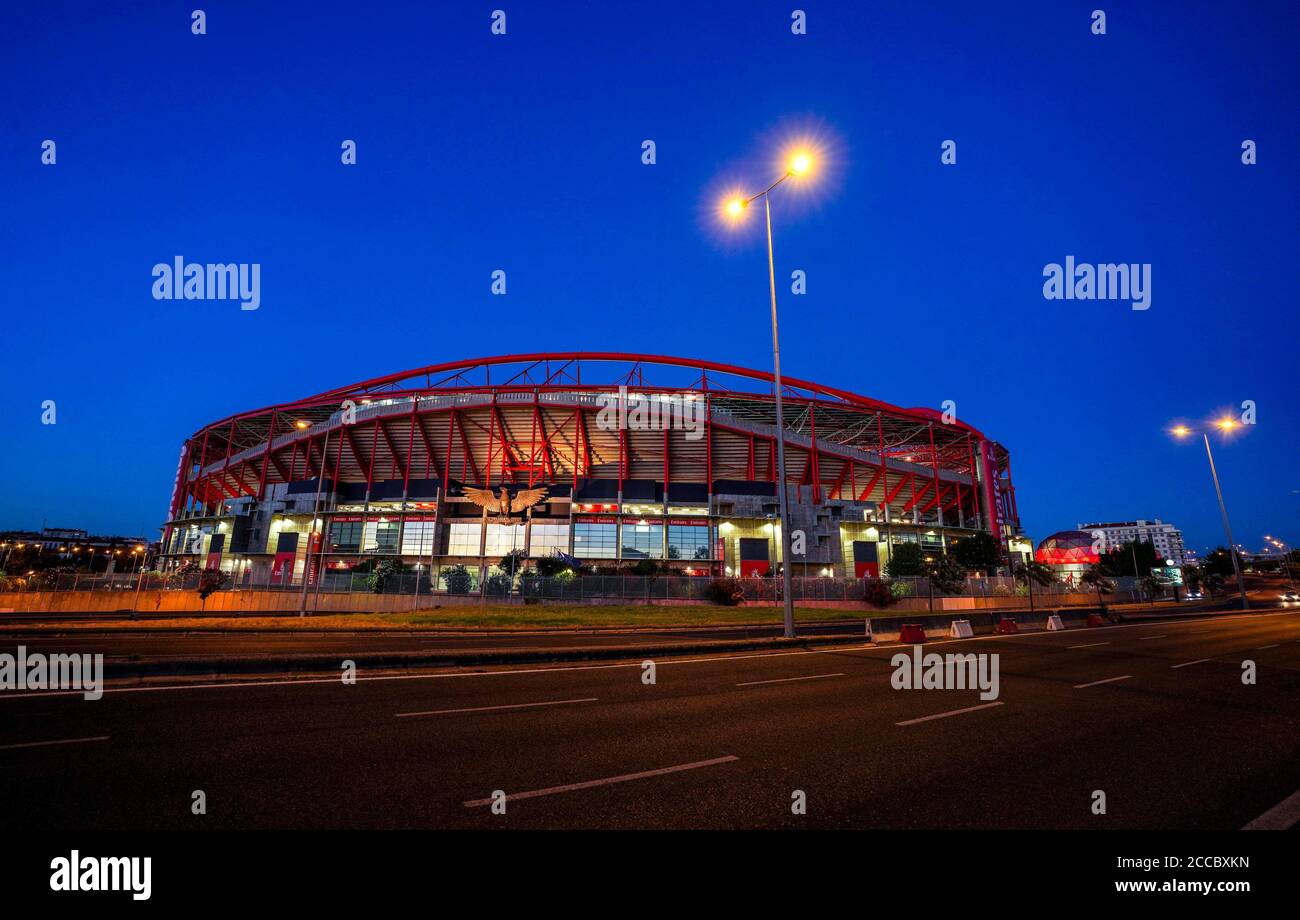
(210,582)
(648,568)
(551,566)
(1119,560)
(1037,572)
(1097,578)
(978,553)
(905,560)
(512,563)
(1217,562)
(457,579)
(381,572)
(948,575)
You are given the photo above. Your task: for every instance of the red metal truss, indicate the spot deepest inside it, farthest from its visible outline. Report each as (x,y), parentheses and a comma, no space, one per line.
(534,425)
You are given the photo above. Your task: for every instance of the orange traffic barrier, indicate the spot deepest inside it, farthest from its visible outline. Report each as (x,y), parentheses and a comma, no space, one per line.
(911,633)
(1007,625)
(1094,619)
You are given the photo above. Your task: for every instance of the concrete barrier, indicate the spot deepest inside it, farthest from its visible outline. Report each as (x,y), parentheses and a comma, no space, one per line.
(1054,623)
(1007,626)
(911,633)
(961,629)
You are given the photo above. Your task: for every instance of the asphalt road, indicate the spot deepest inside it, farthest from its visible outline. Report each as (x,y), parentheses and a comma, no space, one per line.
(1172,737)
(162,645)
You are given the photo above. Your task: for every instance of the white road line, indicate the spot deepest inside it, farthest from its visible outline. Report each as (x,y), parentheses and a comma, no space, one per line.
(1089,645)
(944,715)
(445,712)
(1144,638)
(1186,663)
(786,680)
(32,744)
(1282,816)
(1260,648)
(1108,680)
(625,778)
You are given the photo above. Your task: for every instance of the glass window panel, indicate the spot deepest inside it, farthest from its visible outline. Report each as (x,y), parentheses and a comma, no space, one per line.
(417,538)
(380,537)
(688,542)
(345,536)
(464,539)
(548,539)
(643,541)
(504,538)
(595,541)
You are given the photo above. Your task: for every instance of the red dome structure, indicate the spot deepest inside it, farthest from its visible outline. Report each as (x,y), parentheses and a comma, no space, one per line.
(1069,547)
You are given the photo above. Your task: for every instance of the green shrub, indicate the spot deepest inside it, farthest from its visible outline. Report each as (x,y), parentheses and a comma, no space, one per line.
(879,594)
(551,566)
(457,579)
(212,581)
(498,585)
(380,572)
(727,592)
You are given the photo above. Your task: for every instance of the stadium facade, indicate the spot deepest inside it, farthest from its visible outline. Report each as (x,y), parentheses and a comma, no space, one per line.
(639,456)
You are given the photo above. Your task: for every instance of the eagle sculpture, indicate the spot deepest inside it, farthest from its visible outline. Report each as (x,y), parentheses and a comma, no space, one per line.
(504,504)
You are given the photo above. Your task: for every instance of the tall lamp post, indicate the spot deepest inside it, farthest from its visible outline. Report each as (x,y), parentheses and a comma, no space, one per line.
(1286,559)
(315,512)
(1224,424)
(799,165)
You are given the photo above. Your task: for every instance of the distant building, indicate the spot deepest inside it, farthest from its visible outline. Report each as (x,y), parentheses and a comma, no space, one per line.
(75,547)
(51,537)
(1167,539)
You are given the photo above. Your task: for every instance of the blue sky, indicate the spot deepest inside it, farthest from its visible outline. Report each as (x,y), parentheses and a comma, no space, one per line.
(523,152)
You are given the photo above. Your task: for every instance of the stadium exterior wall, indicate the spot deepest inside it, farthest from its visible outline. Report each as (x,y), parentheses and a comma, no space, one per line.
(382,468)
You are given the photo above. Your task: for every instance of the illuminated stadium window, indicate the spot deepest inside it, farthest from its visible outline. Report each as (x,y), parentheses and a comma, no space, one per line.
(643,541)
(688,542)
(417,538)
(345,536)
(380,537)
(548,539)
(595,541)
(464,539)
(503,538)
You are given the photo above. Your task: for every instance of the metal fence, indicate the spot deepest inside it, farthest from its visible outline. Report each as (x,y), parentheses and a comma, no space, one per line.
(570,588)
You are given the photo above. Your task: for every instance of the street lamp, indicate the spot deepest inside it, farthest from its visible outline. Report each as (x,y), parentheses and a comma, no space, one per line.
(1286,560)
(799,164)
(315,511)
(1225,425)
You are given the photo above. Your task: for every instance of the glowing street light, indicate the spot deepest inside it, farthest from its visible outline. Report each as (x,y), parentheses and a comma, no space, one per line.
(1225,425)
(799,164)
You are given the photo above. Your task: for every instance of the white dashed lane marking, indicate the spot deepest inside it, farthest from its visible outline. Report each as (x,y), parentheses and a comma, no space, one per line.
(1108,680)
(944,715)
(447,712)
(589,784)
(786,680)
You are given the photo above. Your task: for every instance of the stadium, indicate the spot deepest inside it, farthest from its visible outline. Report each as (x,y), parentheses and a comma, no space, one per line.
(610,458)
